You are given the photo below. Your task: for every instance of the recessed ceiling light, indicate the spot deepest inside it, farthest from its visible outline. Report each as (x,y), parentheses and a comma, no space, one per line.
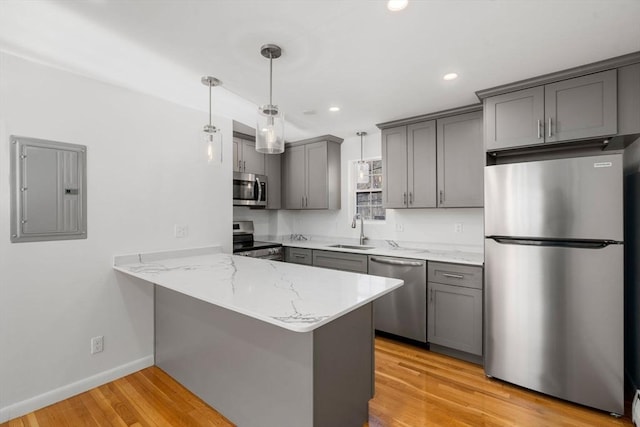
(450,76)
(396,5)
(334,109)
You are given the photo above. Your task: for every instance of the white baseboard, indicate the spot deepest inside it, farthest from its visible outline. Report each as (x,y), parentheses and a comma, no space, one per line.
(56,395)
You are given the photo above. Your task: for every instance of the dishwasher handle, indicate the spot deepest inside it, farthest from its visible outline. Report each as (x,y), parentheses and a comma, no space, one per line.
(398,262)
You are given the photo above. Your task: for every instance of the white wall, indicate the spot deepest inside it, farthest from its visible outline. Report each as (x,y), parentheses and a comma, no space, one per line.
(420,225)
(146,173)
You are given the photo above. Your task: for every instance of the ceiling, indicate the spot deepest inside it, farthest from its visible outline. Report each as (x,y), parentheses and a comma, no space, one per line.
(374,64)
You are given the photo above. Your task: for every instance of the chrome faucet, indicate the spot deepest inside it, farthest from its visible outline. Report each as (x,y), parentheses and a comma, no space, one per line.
(353,225)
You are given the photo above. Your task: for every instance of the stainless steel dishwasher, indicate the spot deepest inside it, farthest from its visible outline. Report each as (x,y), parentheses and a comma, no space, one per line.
(402,312)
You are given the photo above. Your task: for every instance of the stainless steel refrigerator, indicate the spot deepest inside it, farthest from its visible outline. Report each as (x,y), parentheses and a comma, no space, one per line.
(554,278)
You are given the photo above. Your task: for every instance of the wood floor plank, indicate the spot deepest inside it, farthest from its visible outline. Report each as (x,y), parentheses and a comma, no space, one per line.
(414,388)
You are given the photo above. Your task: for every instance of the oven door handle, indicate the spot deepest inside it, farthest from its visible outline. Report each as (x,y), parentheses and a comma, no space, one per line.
(259,189)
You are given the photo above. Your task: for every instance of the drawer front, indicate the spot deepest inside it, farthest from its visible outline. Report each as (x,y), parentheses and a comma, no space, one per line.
(298,255)
(469,276)
(340,261)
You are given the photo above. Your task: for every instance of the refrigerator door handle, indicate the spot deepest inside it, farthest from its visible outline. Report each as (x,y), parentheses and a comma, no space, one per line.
(583,244)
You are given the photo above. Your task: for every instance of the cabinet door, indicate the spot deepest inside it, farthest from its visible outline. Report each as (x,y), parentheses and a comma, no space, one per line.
(514,119)
(421,170)
(455,317)
(252,161)
(580,108)
(293,174)
(394,167)
(273,170)
(460,161)
(237,150)
(316,196)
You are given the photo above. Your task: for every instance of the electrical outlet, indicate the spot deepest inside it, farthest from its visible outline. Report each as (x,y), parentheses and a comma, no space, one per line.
(97,344)
(635,409)
(181,230)
(399,227)
(458,227)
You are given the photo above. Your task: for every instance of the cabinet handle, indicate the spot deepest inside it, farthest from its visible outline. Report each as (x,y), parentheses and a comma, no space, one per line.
(244,166)
(441,196)
(404,199)
(453,276)
(539,133)
(299,256)
(431,296)
(306,202)
(302,202)
(240,165)
(410,198)
(550,133)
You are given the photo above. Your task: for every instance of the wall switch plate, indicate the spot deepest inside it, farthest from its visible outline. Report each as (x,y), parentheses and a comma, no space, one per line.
(181,230)
(97,344)
(458,227)
(399,227)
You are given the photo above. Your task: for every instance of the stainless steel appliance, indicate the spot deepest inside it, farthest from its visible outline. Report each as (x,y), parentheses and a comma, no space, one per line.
(402,312)
(249,189)
(244,245)
(554,278)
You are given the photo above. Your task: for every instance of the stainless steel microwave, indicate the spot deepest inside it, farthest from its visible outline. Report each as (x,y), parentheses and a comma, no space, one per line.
(249,189)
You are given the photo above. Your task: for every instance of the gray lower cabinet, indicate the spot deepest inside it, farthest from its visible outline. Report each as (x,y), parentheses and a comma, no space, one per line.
(298,255)
(311,174)
(455,308)
(573,109)
(356,263)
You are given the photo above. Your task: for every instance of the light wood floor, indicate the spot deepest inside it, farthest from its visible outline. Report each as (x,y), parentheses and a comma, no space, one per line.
(414,388)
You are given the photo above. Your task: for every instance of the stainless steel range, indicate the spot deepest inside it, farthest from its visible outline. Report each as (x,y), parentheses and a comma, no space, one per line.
(244,245)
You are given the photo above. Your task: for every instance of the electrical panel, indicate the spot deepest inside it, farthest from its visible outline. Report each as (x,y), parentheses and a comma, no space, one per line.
(48,190)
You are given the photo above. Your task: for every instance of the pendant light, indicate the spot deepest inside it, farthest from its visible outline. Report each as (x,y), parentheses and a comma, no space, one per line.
(270,127)
(211,135)
(362,168)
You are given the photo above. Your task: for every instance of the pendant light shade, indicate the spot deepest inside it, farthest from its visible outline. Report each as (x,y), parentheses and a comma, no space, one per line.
(270,126)
(211,137)
(362,169)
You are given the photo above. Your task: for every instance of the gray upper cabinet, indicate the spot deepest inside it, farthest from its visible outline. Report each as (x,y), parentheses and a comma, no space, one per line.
(573,109)
(273,171)
(394,167)
(460,161)
(245,157)
(311,174)
(434,163)
(409,166)
(514,119)
(581,108)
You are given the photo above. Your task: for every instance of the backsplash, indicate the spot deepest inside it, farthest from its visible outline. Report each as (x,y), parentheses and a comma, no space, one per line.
(418,225)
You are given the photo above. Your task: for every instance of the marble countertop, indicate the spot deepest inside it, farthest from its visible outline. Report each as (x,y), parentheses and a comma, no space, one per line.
(295,297)
(421,251)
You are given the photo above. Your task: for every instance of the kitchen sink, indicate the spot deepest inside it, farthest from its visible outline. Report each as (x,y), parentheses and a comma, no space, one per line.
(358,247)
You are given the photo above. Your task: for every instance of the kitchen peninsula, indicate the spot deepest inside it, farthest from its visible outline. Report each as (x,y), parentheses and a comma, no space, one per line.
(264,342)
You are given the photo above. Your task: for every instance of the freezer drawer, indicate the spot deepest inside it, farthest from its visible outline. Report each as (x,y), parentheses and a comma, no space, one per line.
(577,198)
(554,321)
(402,312)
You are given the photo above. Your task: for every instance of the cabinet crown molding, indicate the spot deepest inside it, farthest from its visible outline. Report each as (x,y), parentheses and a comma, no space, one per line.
(431,116)
(329,138)
(595,67)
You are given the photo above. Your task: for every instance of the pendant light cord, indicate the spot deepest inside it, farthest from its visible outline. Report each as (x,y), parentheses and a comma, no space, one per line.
(270,81)
(209,103)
